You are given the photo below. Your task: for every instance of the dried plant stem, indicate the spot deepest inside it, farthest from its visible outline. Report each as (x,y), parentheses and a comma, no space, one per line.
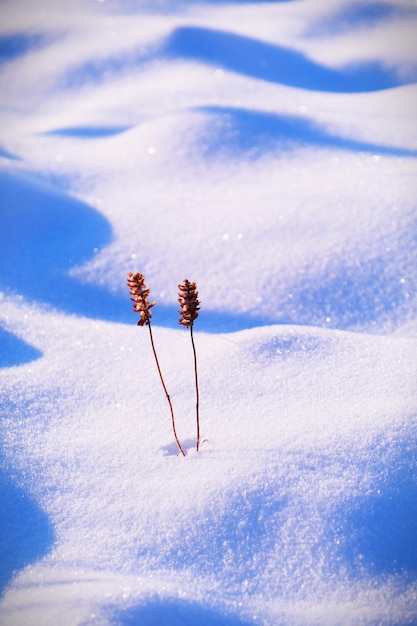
(196,390)
(190,305)
(165,390)
(140,298)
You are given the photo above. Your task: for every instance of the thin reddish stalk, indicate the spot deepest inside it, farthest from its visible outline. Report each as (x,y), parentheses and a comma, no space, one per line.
(165,390)
(196,390)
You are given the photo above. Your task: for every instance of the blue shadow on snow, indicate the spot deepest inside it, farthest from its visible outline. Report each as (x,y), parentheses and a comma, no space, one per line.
(382,531)
(246,56)
(355,16)
(246,130)
(8,155)
(88,132)
(377,533)
(273,63)
(25,532)
(15,351)
(18,44)
(43,235)
(174,612)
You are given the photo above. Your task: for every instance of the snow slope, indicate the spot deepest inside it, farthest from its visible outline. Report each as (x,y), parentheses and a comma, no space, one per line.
(268,152)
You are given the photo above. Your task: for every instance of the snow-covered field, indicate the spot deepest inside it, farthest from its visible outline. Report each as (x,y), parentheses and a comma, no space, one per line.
(268,152)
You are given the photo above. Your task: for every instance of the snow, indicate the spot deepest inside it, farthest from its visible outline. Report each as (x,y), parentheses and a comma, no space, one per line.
(266,151)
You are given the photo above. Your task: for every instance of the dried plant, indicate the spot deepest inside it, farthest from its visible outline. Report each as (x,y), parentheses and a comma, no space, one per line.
(190,305)
(140,295)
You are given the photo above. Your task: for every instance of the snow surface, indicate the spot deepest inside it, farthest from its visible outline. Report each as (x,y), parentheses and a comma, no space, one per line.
(268,152)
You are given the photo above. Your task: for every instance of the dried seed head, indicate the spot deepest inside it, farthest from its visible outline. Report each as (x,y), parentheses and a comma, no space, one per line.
(140,293)
(188,299)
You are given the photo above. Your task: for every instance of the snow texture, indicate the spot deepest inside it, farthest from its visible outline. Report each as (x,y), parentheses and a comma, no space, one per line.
(267,151)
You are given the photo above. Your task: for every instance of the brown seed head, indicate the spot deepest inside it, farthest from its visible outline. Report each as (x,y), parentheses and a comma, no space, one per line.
(140,294)
(188,299)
